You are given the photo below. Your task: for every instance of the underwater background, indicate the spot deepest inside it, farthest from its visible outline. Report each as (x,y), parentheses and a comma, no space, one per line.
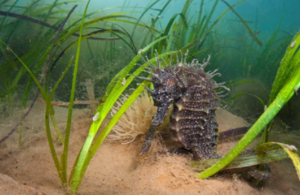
(222,35)
(40,60)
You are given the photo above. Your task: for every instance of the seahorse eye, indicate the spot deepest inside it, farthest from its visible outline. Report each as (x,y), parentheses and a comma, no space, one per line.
(158,99)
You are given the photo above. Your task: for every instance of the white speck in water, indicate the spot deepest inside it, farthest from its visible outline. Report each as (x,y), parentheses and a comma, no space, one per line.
(123,82)
(293,44)
(95,118)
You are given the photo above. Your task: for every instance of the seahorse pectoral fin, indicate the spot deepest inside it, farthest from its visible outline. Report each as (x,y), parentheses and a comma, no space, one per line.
(158,120)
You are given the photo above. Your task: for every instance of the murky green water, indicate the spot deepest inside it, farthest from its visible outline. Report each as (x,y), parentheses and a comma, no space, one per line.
(245,39)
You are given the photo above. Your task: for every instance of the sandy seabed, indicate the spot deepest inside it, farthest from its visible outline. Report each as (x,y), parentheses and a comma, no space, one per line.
(117,168)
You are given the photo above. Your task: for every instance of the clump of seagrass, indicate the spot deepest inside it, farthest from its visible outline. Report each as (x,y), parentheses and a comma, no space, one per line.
(135,121)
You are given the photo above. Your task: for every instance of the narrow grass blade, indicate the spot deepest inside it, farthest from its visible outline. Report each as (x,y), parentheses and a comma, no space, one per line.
(89,154)
(290,150)
(283,97)
(246,160)
(64,157)
(29,71)
(115,89)
(48,107)
(245,24)
(141,16)
(288,63)
(90,35)
(207,20)
(11,7)
(242,94)
(50,98)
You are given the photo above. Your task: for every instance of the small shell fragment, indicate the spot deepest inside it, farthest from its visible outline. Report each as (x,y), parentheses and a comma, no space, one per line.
(292,148)
(140,51)
(123,82)
(293,44)
(96,117)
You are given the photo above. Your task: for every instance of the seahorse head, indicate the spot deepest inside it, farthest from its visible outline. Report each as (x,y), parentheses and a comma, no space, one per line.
(165,88)
(164,92)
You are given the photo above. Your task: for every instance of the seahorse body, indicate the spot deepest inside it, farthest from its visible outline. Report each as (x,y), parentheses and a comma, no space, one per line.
(192,92)
(192,121)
